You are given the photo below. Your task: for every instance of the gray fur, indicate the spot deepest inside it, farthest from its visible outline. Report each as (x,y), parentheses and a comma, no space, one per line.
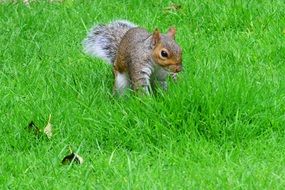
(103,40)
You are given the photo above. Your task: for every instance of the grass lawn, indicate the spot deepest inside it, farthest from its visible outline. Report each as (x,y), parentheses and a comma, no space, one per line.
(221,126)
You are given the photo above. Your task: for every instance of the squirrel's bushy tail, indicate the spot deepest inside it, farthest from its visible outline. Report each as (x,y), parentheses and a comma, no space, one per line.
(103,40)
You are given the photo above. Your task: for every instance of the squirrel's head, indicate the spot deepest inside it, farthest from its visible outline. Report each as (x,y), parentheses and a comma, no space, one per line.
(167,52)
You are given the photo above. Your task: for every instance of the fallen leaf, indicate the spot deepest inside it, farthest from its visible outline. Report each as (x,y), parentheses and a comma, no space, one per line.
(72,158)
(172,7)
(48,128)
(26,2)
(34,129)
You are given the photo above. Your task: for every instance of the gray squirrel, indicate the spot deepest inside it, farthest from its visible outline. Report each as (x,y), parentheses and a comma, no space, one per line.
(141,60)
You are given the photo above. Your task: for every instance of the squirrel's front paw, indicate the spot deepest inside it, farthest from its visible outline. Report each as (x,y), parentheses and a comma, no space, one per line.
(174,76)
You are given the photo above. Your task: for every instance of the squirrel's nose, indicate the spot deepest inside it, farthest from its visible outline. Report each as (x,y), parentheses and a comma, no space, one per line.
(178,68)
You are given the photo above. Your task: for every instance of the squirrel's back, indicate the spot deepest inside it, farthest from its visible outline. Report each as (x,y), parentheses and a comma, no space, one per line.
(103,40)
(137,34)
(136,40)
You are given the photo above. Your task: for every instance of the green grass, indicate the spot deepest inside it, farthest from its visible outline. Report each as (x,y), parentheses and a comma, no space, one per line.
(220,127)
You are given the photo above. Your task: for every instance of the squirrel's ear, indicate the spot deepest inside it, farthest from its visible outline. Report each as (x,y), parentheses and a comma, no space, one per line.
(155,37)
(171,32)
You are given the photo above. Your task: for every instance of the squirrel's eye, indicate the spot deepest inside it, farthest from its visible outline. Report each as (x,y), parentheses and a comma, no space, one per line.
(164,54)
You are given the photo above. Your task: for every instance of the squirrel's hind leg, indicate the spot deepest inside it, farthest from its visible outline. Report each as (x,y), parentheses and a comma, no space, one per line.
(121,82)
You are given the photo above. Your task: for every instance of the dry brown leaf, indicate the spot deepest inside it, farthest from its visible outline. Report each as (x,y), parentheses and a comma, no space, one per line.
(48,128)
(34,129)
(172,7)
(72,158)
(26,2)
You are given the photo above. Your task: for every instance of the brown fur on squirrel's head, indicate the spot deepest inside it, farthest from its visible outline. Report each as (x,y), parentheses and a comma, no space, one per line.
(167,52)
